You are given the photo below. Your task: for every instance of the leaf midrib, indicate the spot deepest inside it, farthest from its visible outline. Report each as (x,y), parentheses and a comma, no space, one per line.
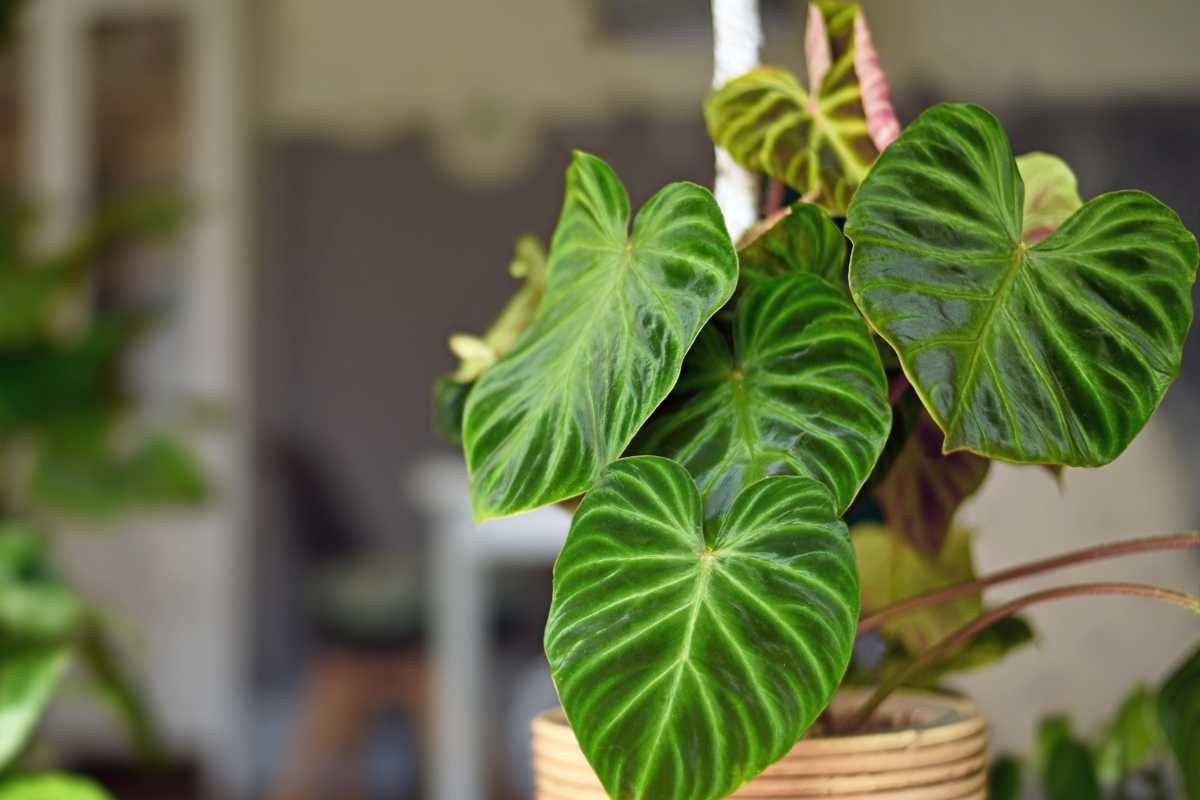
(685,655)
(1016,263)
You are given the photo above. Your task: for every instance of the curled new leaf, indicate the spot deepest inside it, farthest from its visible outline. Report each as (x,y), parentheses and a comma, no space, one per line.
(476,354)
(621,310)
(687,660)
(801,392)
(1056,352)
(820,141)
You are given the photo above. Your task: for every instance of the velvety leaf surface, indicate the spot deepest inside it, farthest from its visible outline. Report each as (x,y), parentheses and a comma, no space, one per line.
(803,240)
(820,141)
(1052,353)
(688,661)
(27,680)
(50,787)
(1179,713)
(1051,195)
(621,310)
(924,487)
(801,392)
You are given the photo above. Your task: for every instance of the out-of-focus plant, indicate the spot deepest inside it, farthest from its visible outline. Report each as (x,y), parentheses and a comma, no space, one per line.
(69,452)
(1150,746)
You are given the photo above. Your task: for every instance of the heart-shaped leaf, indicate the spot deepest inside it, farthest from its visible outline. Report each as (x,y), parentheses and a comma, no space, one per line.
(1051,195)
(1053,353)
(803,240)
(1179,713)
(801,392)
(923,487)
(822,141)
(688,661)
(620,312)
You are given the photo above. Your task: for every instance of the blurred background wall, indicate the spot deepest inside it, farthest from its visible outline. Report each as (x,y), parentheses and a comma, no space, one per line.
(371,165)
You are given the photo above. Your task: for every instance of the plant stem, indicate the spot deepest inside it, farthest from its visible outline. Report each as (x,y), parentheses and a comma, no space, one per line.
(965,633)
(1179,541)
(897,387)
(776,191)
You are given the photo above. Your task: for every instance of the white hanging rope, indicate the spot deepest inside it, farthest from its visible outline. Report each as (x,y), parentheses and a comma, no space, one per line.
(737,37)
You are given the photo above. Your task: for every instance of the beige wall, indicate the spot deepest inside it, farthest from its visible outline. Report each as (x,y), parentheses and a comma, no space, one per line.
(485,76)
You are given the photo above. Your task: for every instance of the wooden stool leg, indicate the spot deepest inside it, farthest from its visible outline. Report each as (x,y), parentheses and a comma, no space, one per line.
(333,715)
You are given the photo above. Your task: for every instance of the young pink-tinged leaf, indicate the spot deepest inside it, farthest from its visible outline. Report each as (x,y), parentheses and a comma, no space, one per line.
(882,123)
(820,140)
(1051,194)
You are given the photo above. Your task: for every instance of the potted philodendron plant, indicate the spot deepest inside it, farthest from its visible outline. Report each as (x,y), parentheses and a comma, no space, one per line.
(716,409)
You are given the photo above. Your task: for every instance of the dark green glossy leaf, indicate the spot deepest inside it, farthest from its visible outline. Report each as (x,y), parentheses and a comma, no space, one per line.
(27,680)
(801,392)
(687,660)
(924,487)
(1067,765)
(51,786)
(822,140)
(1004,779)
(621,310)
(1051,353)
(1133,738)
(1179,713)
(803,240)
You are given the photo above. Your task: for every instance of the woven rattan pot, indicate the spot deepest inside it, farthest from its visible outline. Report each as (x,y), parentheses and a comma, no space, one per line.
(937,751)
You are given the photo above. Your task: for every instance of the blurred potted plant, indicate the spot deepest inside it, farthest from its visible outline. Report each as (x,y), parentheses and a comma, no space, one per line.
(931,303)
(1131,759)
(69,453)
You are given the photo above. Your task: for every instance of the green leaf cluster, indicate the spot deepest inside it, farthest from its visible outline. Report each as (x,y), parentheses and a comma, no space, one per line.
(1148,749)
(719,409)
